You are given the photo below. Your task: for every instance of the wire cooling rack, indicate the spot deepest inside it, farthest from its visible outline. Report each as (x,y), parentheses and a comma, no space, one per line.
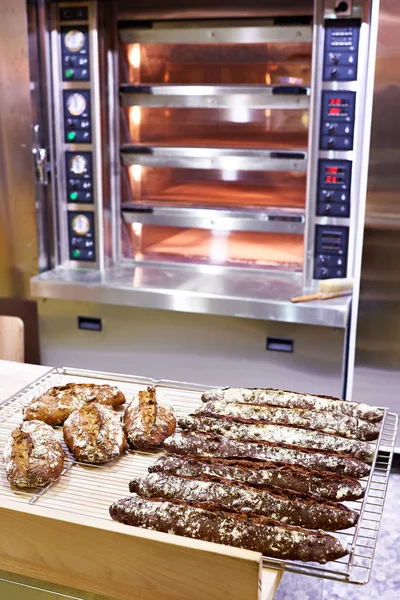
(90,489)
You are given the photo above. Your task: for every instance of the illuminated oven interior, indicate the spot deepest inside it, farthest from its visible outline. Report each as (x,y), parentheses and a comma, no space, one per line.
(238,127)
(222,64)
(152,243)
(202,188)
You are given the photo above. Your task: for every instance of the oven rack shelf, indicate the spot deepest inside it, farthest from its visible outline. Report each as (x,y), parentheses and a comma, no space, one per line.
(274,221)
(214,158)
(87,491)
(216,96)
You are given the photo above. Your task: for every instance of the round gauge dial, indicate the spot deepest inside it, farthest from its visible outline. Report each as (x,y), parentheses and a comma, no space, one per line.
(81,225)
(78,164)
(74,40)
(76,104)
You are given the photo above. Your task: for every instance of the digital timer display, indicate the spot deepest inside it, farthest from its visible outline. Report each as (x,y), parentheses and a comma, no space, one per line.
(334,175)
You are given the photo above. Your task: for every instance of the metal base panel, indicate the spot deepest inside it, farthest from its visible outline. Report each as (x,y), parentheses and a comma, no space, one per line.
(207,349)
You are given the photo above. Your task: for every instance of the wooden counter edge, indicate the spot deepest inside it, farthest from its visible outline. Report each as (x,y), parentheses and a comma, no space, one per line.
(112,559)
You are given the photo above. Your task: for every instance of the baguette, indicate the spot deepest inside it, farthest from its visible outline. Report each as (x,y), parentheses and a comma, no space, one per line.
(278,434)
(289,399)
(200,444)
(293,510)
(325,486)
(252,533)
(325,422)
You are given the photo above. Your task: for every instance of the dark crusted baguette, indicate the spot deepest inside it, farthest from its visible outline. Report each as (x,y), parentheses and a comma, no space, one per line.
(252,533)
(279,434)
(289,399)
(223,495)
(200,444)
(326,486)
(342,425)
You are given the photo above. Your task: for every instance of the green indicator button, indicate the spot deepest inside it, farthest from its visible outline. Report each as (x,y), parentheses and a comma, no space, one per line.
(69,73)
(71,135)
(73,196)
(76,253)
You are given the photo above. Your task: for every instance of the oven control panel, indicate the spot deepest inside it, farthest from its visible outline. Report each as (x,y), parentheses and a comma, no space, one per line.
(334,179)
(331,245)
(333,199)
(80,151)
(341,50)
(77,129)
(337,120)
(75,53)
(78,168)
(81,236)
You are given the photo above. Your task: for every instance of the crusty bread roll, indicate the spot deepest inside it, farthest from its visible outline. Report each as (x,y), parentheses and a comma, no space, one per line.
(94,434)
(33,455)
(55,406)
(148,422)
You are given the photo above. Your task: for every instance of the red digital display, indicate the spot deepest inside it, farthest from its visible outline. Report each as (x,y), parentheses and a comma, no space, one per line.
(334,111)
(337,101)
(332,169)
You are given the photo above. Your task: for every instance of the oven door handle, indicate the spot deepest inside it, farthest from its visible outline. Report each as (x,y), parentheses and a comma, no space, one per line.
(39,158)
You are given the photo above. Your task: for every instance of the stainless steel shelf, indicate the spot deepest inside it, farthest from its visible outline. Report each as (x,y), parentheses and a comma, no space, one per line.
(205,218)
(214,158)
(216,96)
(196,289)
(215,32)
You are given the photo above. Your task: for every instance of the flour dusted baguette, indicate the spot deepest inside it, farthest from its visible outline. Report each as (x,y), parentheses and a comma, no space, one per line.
(326,486)
(199,444)
(337,424)
(252,533)
(223,495)
(288,399)
(278,434)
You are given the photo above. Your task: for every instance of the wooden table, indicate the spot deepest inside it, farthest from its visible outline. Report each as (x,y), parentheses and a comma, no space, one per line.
(110,560)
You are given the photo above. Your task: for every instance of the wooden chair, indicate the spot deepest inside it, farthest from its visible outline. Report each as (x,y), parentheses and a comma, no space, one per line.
(11,339)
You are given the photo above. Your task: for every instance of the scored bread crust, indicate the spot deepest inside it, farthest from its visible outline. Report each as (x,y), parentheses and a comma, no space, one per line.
(224,495)
(279,434)
(288,399)
(325,422)
(55,406)
(33,456)
(267,536)
(326,486)
(147,421)
(209,445)
(94,434)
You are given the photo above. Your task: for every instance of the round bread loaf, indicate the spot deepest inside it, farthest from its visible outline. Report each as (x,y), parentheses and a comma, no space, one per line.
(33,455)
(148,422)
(55,406)
(94,434)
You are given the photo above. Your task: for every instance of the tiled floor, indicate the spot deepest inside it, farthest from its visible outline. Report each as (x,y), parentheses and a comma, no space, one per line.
(385,579)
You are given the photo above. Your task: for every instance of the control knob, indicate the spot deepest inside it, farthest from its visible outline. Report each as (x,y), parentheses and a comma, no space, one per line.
(331,129)
(334,59)
(334,72)
(327,208)
(324,271)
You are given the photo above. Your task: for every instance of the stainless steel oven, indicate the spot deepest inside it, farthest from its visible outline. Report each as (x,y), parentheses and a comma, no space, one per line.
(206,157)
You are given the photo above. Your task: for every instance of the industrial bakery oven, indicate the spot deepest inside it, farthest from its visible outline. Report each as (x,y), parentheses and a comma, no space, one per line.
(209,149)
(220,137)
